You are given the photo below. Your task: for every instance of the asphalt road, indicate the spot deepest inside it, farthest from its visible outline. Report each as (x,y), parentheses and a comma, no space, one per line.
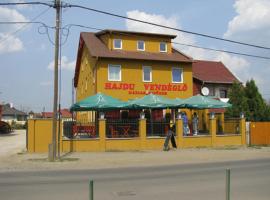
(249,180)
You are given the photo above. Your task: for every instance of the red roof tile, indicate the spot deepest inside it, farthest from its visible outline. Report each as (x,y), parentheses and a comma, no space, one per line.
(212,72)
(64,112)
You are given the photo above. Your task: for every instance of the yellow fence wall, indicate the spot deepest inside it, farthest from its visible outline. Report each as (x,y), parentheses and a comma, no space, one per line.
(39,137)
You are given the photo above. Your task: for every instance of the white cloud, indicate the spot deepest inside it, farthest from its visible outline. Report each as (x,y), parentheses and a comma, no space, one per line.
(10,15)
(65,64)
(251,24)
(10,44)
(8,41)
(171,21)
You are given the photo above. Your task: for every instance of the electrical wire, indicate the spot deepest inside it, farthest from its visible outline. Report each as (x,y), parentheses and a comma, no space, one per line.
(24,26)
(68,26)
(167,27)
(224,51)
(27,3)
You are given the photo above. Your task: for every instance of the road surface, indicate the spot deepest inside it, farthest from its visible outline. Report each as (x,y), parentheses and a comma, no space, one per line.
(250,179)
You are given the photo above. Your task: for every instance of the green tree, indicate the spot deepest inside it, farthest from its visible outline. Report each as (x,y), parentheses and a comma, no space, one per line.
(258,109)
(238,101)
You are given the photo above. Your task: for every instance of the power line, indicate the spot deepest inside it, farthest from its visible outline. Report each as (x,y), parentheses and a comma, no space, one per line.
(25,25)
(167,27)
(33,22)
(27,3)
(225,51)
(68,26)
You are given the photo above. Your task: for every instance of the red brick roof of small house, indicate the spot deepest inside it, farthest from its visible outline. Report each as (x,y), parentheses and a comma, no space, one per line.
(98,49)
(212,72)
(64,112)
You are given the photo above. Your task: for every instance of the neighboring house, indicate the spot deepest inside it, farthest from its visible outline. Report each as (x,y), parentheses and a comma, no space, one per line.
(65,114)
(212,75)
(11,114)
(127,65)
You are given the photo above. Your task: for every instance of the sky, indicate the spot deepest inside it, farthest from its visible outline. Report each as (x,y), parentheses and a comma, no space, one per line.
(27,51)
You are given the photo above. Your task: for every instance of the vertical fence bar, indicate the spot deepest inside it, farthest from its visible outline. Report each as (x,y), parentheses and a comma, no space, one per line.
(91,190)
(228,183)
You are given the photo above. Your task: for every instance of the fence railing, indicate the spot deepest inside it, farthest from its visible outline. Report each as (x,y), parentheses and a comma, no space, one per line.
(122,128)
(158,128)
(229,126)
(73,129)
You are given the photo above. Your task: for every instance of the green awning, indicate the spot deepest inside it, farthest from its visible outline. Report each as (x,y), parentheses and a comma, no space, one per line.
(202,102)
(98,102)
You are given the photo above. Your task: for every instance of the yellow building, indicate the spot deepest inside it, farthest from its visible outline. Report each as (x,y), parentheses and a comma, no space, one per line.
(126,65)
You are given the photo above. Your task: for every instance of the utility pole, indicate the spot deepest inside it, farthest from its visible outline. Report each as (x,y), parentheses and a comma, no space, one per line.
(57,6)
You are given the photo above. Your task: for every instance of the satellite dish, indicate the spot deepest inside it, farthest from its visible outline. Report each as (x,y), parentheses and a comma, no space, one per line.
(205,91)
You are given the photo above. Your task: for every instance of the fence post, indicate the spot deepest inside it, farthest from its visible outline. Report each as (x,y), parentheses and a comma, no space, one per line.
(228,184)
(142,132)
(213,129)
(102,134)
(242,127)
(179,132)
(91,190)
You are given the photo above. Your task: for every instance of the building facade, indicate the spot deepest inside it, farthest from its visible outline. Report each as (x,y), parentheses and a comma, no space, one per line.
(127,65)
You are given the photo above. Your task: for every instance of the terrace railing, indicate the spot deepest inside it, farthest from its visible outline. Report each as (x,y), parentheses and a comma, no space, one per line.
(73,129)
(122,128)
(230,126)
(158,128)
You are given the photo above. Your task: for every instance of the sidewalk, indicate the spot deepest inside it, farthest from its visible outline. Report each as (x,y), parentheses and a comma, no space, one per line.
(16,158)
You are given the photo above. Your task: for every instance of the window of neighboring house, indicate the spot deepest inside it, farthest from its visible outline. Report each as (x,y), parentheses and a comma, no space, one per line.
(140,45)
(114,72)
(211,91)
(117,44)
(223,93)
(163,47)
(177,75)
(147,74)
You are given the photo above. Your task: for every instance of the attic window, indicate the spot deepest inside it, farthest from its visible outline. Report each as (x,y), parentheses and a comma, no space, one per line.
(163,47)
(117,44)
(140,45)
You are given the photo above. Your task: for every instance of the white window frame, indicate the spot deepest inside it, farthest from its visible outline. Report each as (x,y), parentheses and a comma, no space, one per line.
(121,45)
(120,73)
(182,77)
(143,67)
(165,47)
(143,45)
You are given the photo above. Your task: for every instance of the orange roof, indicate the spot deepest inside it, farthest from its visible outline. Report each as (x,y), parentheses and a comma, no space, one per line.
(212,72)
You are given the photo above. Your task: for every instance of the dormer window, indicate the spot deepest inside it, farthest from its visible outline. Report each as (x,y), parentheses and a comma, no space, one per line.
(117,44)
(163,47)
(140,45)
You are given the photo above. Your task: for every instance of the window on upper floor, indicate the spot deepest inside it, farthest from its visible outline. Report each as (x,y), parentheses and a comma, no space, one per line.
(114,72)
(147,74)
(163,47)
(117,44)
(223,93)
(177,75)
(141,45)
